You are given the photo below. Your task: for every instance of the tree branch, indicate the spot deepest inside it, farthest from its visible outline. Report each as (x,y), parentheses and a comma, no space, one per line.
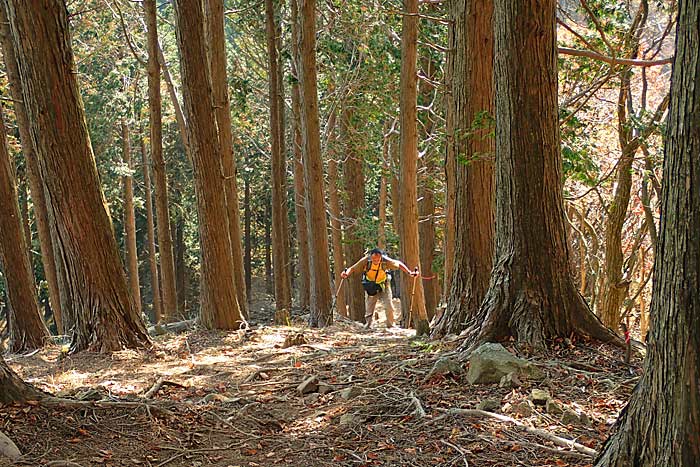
(613,60)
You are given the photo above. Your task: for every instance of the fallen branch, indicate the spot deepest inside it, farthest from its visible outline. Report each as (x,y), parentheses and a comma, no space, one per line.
(535,431)
(8,448)
(158,385)
(179,326)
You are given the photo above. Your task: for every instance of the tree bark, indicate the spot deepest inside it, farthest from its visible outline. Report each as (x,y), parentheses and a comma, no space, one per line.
(532,295)
(471,179)
(93,289)
(336,214)
(219,302)
(35,183)
(165,239)
(130,221)
(182,276)
(354,207)
(408,178)
(27,330)
(12,388)
(660,426)
(383,190)
(247,262)
(223,118)
(280,243)
(299,191)
(320,289)
(151,236)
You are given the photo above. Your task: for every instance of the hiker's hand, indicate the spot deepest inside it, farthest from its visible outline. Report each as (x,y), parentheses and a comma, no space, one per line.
(344,274)
(415,273)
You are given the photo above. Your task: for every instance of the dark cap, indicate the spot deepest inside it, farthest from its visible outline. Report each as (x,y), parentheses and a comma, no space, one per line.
(376,251)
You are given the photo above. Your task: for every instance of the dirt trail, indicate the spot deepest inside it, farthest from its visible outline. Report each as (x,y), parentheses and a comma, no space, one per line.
(232,399)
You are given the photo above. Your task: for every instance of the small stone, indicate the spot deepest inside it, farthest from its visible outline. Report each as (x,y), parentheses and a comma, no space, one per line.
(553,408)
(350,393)
(510,380)
(310,384)
(583,418)
(214,397)
(489,405)
(347,419)
(570,417)
(540,396)
(324,388)
(507,408)
(445,366)
(523,409)
(312,398)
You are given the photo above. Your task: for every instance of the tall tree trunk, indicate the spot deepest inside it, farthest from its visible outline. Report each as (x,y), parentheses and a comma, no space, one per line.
(152,258)
(248,240)
(23,202)
(532,295)
(12,388)
(337,232)
(354,207)
(93,289)
(223,119)
(130,221)
(181,273)
(320,290)
(219,302)
(471,109)
(426,206)
(299,191)
(269,280)
(36,186)
(280,243)
(408,178)
(426,232)
(27,330)
(165,242)
(381,207)
(661,423)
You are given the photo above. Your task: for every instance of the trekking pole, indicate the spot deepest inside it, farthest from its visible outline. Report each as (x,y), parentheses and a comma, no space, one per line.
(335,297)
(413,294)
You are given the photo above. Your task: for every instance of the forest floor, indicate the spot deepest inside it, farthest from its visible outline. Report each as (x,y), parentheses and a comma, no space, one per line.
(233,399)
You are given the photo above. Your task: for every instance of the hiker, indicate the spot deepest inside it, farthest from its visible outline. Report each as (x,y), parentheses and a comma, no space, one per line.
(374,269)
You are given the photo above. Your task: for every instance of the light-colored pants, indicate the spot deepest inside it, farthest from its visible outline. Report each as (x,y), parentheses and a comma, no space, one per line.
(371,302)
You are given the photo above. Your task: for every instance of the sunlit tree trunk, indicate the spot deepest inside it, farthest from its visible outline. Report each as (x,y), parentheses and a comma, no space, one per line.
(353,213)
(471,109)
(94,289)
(280,243)
(228,159)
(408,178)
(34,178)
(151,235)
(660,426)
(27,330)
(321,295)
(132,259)
(219,302)
(299,191)
(532,296)
(165,242)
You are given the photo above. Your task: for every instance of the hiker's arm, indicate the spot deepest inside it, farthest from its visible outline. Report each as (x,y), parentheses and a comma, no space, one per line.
(353,269)
(405,269)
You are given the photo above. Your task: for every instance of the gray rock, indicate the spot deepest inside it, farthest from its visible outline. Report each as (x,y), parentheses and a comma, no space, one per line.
(324,388)
(570,417)
(539,396)
(310,384)
(489,405)
(583,418)
(350,393)
(490,362)
(553,408)
(524,409)
(510,380)
(446,366)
